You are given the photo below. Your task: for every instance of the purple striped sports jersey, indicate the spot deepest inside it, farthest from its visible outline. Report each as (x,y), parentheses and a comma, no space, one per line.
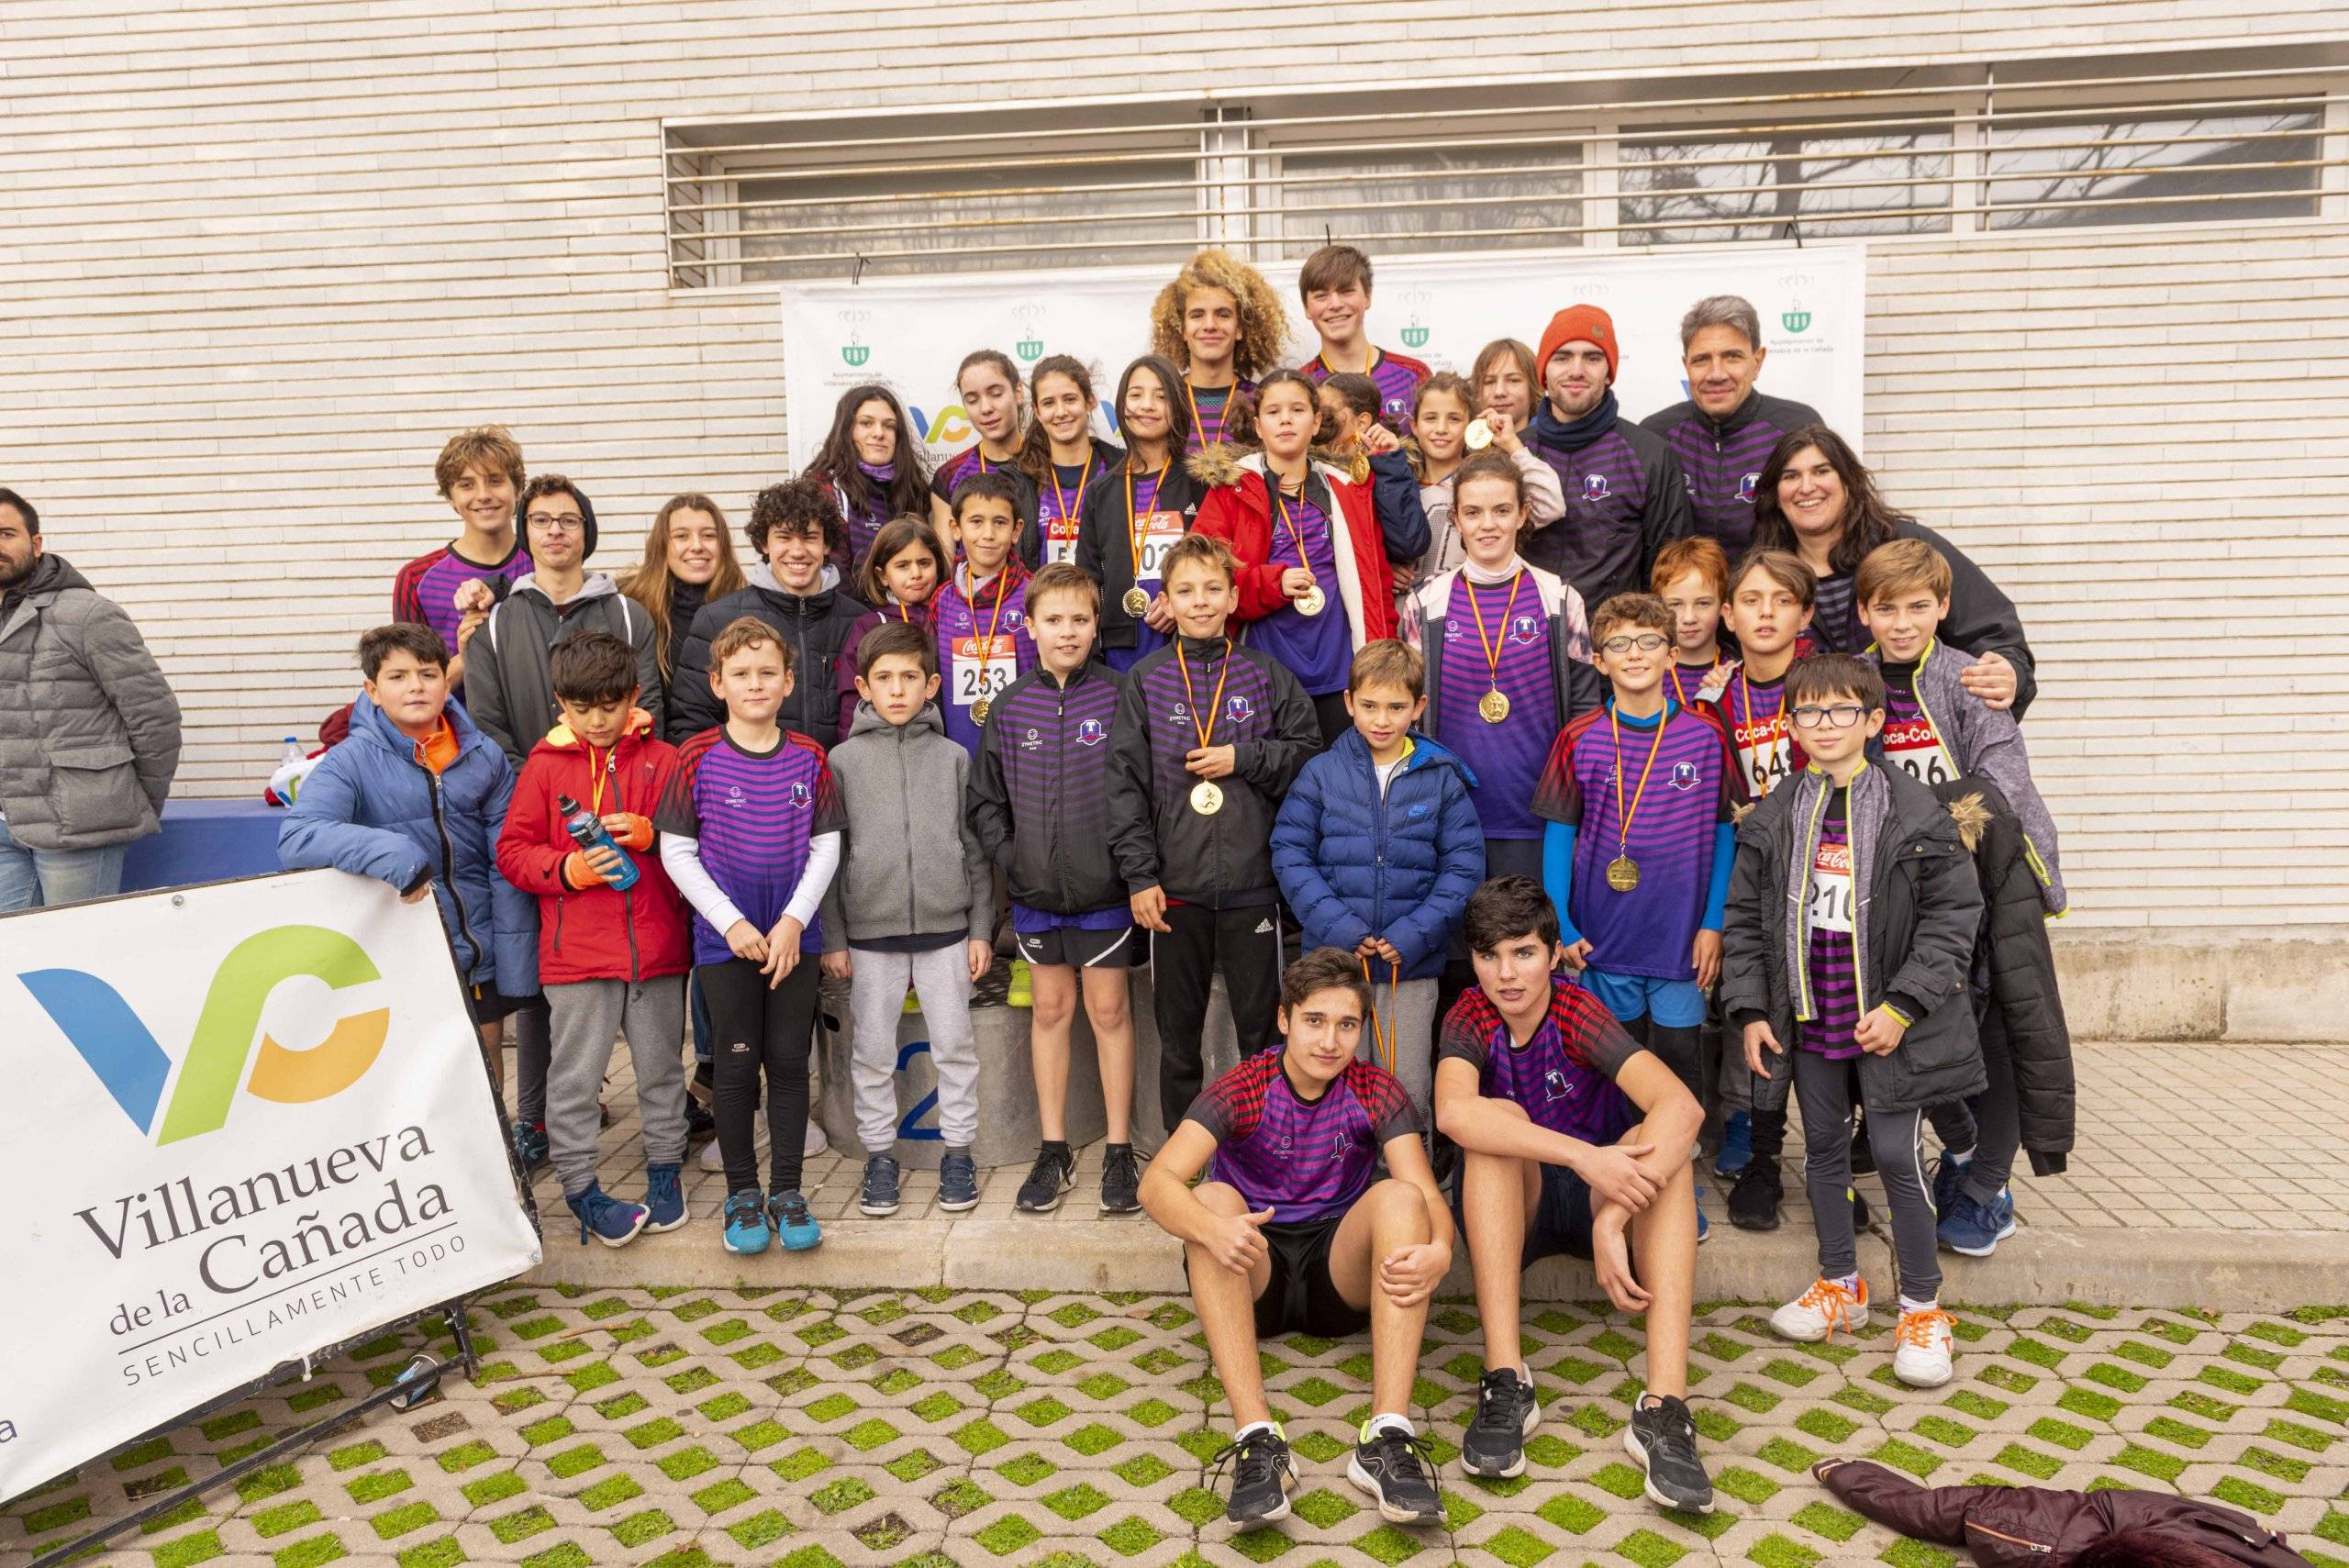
(1057,508)
(1158,536)
(1304,1159)
(1317,649)
(865,521)
(1053,743)
(1396,376)
(983,644)
(425,589)
(1211,413)
(1833,981)
(1506,758)
(1598,545)
(1564,1077)
(754,816)
(958,468)
(1723,470)
(1753,712)
(1246,715)
(1649,930)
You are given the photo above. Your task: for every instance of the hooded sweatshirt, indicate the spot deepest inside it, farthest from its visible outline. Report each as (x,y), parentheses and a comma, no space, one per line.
(912,865)
(813,626)
(510,682)
(1625,500)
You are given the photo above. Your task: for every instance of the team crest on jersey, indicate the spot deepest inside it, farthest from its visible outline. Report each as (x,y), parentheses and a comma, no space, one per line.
(800,798)
(1555,1087)
(1092,732)
(1238,708)
(1594,487)
(1746,485)
(1012,619)
(1684,775)
(1524,629)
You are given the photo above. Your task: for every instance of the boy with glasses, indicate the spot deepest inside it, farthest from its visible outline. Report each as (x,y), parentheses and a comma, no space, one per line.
(1638,796)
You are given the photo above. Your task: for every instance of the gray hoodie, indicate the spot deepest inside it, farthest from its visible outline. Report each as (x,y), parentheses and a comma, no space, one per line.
(509,685)
(911,865)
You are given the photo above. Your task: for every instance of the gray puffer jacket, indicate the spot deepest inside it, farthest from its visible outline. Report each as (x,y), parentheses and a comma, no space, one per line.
(89,729)
(912,865)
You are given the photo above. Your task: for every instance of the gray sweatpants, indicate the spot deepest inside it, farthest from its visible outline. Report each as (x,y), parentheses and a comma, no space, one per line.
(1824,1090)
(587,1015)
(1404,1016)
(941,978)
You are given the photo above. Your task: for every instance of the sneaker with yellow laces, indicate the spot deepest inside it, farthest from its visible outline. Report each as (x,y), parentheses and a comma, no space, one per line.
(1827,1305)
(1922,1347)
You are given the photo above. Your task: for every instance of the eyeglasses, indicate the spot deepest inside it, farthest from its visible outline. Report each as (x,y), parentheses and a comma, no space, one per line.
(1842,716)
(1647,642)
(569,522)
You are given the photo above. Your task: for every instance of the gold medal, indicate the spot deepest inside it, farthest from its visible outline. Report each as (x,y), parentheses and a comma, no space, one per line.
(1623,873)
(1478,436)
(979,711)
(1312,602)
(1207,797)
(1494,706)
(1137,603)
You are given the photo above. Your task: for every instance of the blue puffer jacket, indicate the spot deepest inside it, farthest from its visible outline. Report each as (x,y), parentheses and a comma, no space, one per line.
(371,810)
(1351,865)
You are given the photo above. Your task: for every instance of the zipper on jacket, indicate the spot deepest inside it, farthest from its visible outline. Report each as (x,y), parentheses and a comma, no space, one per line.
(449,873)
(627,904)
(905,794)
(1809,846)
(2027,1544)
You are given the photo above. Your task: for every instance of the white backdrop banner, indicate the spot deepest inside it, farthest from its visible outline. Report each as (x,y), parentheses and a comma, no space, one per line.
(246,1121)
(910,333)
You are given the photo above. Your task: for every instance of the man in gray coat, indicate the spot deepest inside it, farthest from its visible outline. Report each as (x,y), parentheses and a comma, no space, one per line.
(89,729)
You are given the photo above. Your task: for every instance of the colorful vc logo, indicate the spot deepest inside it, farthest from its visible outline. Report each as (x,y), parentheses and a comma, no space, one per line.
(123,1053)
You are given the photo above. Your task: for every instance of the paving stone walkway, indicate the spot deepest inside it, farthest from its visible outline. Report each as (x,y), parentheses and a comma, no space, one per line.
(819,1428)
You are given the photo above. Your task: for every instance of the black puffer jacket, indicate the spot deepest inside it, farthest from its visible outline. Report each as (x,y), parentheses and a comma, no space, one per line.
(2014,970)
(816,626)
(1920,907)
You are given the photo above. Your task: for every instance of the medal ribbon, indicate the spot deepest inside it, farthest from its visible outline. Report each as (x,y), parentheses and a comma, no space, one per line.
(1058,496)
(1280,501)
(1137,537)
(1191,700)
(1223,411)
(1777,721)
(1382,1044)
(1492,648)
(1623,818)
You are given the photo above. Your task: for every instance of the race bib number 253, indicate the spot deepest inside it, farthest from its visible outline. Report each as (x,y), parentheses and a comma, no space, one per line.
(984,666)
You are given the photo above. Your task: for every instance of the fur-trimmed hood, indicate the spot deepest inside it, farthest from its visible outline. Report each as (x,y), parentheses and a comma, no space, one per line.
(1223,463)
(1970,812)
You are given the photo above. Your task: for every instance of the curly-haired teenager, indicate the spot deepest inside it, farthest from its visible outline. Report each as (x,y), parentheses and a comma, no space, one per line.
(797,531)
(1223,324)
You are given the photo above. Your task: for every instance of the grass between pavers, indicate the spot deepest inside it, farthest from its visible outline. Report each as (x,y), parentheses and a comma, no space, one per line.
(761,1425)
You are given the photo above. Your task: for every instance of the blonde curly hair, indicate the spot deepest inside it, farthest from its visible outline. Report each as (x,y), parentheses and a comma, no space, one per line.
(1263,324)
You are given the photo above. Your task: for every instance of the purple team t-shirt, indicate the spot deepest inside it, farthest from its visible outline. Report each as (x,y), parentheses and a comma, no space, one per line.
(754,815)
(983,643)
(1318,650)
(1650,930)
(1564,1076)
(426,589)
(1305,1160)
(1507,757)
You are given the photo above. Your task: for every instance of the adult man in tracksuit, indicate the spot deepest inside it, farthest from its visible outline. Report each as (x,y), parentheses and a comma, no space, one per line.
(1722,432)
(1625,495)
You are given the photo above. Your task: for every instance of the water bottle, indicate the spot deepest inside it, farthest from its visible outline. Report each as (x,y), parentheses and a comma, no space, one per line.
(292,752)
(587,830)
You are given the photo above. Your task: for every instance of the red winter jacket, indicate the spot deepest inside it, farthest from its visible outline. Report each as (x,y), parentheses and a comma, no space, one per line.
(596,933)
(1239,510)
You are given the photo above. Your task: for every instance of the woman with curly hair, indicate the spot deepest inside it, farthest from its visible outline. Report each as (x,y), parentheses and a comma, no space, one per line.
(1221,322)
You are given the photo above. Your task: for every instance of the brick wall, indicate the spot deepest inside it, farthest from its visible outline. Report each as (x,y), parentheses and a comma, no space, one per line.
(256,264)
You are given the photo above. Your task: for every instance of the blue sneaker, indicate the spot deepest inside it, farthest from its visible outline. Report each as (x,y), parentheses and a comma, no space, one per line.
(746,1223)
(1949,1177)
(878,1196)
(1704,1228)
(664,1196)
(606,1217)
(793,1226)
(958,1181)
(1974,1230)
(531,1143)
(1737,1146)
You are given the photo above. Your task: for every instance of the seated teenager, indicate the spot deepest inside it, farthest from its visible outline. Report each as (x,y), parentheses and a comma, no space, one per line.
(1574,1140)
(1294,1232)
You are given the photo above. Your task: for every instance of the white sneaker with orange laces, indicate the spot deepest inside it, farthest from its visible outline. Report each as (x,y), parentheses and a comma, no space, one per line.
(1821,1311)
(1922,1347)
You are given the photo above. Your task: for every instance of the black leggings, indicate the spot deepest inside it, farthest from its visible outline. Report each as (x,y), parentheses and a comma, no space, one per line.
(754,1028)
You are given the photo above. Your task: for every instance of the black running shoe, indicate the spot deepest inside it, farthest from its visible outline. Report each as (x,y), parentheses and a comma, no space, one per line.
(1662,1438)
(1394,1466)
(1053,1174)
(1263,1476)
(1753,1201)
(700,1125)
(1121,1180)
(1505,1416)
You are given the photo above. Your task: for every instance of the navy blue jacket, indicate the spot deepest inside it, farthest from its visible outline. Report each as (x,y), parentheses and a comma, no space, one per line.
(371,810)
(1352,865)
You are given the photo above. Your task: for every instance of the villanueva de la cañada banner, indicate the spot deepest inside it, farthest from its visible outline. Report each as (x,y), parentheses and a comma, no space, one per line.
(910,334)
(245,1122)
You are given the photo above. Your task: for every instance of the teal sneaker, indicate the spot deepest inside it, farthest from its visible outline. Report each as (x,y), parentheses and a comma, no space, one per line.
(746,1223)
(793,1226)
